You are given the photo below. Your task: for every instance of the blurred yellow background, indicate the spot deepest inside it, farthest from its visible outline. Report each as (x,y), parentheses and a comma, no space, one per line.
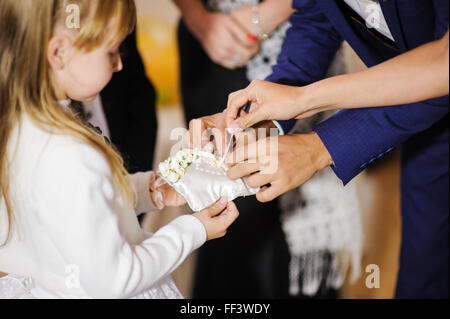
(157,42)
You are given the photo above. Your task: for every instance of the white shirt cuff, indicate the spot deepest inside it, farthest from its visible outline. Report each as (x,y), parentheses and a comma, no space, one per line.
(195,227)
(280,129)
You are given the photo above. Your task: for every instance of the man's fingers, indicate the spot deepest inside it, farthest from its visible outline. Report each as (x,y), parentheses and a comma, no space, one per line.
(242,169)
(246,152)
(260,179)
(268,194)
(217,207)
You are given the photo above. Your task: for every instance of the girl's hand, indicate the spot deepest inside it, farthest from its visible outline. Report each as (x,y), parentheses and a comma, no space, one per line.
(164,195)
(218,218)
(269,101)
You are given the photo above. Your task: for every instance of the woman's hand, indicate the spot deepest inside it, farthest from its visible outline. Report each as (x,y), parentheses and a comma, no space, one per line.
(218,218)
(223,39)
(271,14)
(269,101)
(244,17)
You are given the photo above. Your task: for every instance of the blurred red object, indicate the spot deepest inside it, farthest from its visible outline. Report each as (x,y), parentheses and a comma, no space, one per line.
(252,38)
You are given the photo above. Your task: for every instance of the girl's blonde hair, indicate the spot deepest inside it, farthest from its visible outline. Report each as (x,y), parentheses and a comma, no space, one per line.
(26,27)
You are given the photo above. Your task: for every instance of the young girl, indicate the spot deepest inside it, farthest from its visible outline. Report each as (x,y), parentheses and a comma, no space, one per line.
(68,226)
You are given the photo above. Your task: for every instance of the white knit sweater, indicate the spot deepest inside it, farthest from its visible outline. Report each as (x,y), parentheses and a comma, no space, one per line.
(68,217)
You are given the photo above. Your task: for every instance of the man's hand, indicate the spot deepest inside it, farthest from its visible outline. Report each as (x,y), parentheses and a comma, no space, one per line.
(299,158)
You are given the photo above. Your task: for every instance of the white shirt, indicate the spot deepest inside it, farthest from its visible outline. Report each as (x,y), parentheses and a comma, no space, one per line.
(372,13)
(68,217)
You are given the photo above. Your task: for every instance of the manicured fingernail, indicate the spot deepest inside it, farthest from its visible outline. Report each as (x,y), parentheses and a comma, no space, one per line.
(223,200)
(252,38)
(234,128)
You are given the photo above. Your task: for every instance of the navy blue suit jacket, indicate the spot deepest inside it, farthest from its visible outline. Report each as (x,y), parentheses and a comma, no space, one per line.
(357,138)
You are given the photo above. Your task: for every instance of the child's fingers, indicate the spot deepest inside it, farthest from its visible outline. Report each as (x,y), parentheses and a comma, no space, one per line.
(229,215)
(160,182)
(217,207)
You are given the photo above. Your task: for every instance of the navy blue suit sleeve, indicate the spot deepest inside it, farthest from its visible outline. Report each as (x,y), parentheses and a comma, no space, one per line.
(441,13)
(308,50)
(356,138)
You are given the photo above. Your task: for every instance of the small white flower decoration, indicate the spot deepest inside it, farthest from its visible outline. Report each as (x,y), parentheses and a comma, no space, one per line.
(174,167)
